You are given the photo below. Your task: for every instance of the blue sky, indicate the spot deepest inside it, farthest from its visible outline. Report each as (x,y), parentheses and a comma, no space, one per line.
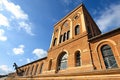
(26,26)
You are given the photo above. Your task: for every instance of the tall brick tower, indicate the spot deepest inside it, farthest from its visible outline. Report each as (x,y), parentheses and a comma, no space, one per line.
(70,41)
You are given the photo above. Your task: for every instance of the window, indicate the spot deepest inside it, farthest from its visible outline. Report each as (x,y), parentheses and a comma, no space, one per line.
(76,16)
(61,38)
(27,71)
(54,42)
(36,69)
(65,23)
(64,37)
(62,61)
(31,70)
(77,58)
(77,30)
(50,64)
(68,35)
(41,68)
(108,57)
(24,71)
(56,30)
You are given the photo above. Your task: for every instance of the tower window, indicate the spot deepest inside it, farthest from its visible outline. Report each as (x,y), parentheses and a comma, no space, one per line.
(65,23)
(68,35)
(77,30)
(76,16)
(77,58)
(108,57)
(54,42)
(61,38)
(62,61)
(56,30)
(65,37)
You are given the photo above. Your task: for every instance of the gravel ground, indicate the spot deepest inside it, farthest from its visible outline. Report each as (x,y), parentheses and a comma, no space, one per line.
(3,78)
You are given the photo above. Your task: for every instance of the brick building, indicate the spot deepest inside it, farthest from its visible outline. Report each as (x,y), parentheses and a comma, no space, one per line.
(78,51)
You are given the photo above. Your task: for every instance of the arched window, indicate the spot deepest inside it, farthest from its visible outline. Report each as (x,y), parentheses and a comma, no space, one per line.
(55,41)
(27,70)
(61,38)
(50,64)
(64,37)
(68,35)
(31,70)
(77,58)
(108,57)
(41,68)
(62,61)
(36,69)
(77,30)
(24,71)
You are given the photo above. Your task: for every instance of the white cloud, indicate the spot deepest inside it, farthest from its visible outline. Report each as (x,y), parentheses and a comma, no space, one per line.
(19,50)
(109,17)
(4,69)
(26,27)
(2,37)
(40,53)
(1,5)
(13,14)
(4,21)
(15,10)
(29,60)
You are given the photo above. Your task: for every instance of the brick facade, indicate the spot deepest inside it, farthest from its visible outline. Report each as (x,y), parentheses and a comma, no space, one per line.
(87,40)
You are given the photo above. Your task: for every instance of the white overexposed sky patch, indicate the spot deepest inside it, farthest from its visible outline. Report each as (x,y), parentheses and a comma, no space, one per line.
(2,36)
(15,16)
(4,69)
(19,50)
(28,60)
(25,26)
(109,17)
(15,10)
(4,21)
(40,53)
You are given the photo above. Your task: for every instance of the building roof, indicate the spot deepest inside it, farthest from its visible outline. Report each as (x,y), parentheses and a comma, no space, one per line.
(107,33)
(34,61)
